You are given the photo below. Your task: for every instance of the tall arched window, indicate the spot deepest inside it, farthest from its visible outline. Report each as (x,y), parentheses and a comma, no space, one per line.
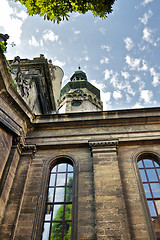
(58,214)
(150,175)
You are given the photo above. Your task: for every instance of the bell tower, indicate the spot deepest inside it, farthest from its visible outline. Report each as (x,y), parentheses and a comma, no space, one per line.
(79,95)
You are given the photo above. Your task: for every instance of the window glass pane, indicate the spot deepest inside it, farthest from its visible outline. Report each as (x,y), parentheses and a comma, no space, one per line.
(59,196)
(58,212)
(68,211)
(67,230)
(69,194)
(148,163)
(50,195)
(143,175)
(147,190)
(151,175)
(70,179)
(48,212)
(70,168)
(140,165)
(56,231)
(46,228)
(54,169)
(152,209)
(157,202)
(155,189)
(52,180)
(62,167)
(156,164)
(158,171)
(61,178)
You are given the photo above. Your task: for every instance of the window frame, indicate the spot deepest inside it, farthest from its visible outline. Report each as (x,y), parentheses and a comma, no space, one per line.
(51,204)
(148,182)
(40,212)
(135,158)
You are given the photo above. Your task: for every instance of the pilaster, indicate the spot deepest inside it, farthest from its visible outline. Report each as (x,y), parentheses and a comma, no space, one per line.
(111,216)
(9,173)
(13,207)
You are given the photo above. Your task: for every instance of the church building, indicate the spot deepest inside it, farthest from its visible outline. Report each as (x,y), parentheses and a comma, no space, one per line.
(68,169)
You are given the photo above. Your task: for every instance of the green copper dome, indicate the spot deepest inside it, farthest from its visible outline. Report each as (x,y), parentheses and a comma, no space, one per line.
(79,76)
(79,81)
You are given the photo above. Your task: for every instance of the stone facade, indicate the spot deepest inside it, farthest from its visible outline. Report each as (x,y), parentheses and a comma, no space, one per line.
(108,200)
(38,82)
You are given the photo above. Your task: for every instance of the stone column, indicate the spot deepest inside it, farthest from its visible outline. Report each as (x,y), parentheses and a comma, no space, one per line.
(13,207)
(111,216)
(9,173)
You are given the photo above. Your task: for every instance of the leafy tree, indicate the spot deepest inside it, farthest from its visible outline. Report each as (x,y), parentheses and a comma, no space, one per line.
(57,10)
(3,46)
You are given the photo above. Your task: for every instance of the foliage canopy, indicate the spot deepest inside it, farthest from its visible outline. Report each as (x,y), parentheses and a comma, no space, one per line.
(57,10)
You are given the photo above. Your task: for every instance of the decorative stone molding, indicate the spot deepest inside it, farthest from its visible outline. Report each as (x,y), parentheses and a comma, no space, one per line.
(29,149)
(16,140)
(103,146)
(103,143)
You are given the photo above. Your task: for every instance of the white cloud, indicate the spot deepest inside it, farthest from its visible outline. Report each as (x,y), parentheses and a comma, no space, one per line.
(108,48)
(117,94)
(22,14)
(128,98)
(76,32)
(102,30)
(34,42)
(48,35)
(133,63)
(146,96)
(11,21)
(105,96)
(86,58)
(146,17)
(113,78)
(156,77)
(58,63)
(104,60)
(107,74)
(145,2)
(136,63)
(129,43)
(147,35)
(64,80)
(126,75)
(138,105)
(141,83)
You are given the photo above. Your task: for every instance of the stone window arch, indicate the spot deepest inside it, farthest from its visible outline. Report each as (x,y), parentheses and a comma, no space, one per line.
(149,168)
(58,218)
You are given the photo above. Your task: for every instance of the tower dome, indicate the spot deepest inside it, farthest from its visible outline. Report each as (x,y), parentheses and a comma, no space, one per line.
(79,95)
(79,76)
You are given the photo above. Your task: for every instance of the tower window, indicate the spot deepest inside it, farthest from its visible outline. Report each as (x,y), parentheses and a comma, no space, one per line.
(150,175)
(76,103)
(58,213)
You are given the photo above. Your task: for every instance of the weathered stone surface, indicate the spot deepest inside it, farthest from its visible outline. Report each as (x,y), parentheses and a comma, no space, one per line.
(109,201)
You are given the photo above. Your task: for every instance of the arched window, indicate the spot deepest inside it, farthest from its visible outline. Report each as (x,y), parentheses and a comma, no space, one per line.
(150,175)
(58,214)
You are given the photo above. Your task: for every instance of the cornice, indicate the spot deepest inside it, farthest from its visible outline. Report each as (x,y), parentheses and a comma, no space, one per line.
(102,143)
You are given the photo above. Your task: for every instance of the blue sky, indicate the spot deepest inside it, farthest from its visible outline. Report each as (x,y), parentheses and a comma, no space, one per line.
(120,55)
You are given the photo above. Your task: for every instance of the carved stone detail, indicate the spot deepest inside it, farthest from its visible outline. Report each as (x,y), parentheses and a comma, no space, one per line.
(103,146)
(16,140)
(29,149)
(103,143)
